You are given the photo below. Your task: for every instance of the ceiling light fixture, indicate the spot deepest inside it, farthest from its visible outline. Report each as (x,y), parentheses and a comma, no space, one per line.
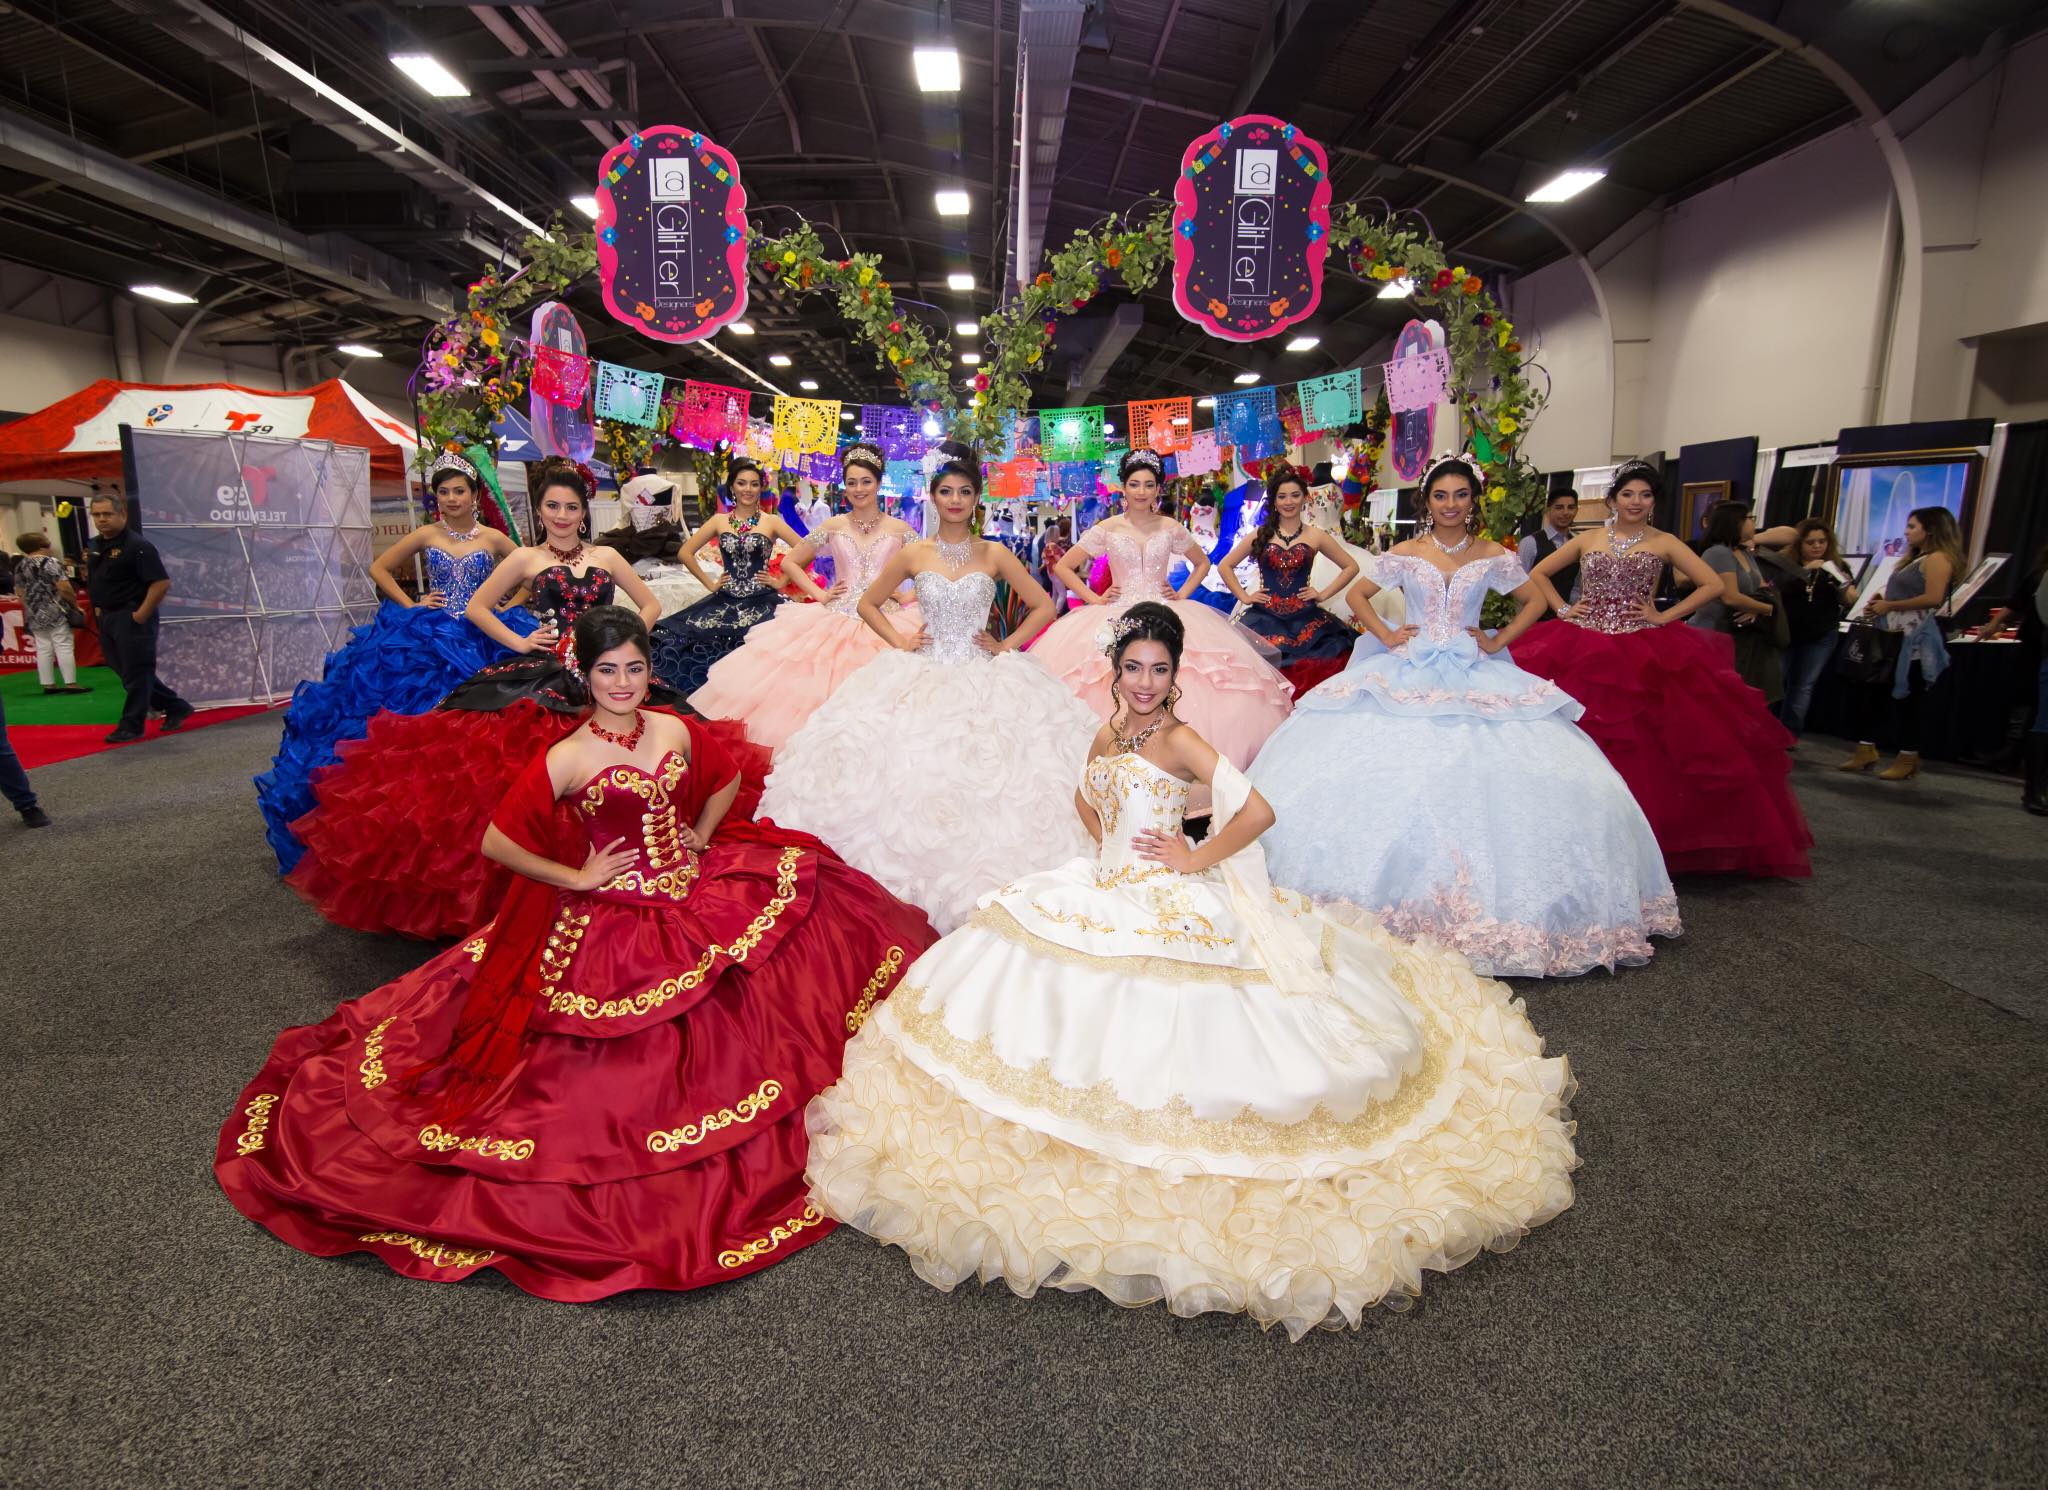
(585,204)
(951,202)
(1109,429)
(967,328)
(1397,289)
(809,385)
(1205,403)
(1245,379)
(167,296)
(778,359)
(741,328)
(970,358)
(937,68)
(357,349)
(846,415)
(1566,184)
(959,279)
(1304,344)
(428,75)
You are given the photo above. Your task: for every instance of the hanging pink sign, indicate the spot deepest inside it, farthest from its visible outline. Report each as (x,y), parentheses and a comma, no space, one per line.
(1419,367)
(1251,228)
(672,234)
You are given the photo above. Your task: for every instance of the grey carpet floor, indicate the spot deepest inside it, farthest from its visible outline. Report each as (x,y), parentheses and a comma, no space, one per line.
(1807,1248)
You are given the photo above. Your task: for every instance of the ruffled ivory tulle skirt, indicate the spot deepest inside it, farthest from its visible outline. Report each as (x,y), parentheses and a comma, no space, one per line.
(1230,693)
(993,1122)
(941,780)
(789,665)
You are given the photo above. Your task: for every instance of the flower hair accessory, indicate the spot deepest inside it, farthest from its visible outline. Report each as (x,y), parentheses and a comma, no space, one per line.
(1111,636)
(450,463)
(1135,459)
(589,479)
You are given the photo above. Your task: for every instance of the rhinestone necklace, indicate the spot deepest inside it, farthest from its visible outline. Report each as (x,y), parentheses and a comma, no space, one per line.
(955,555)
(570,557)
(1622,545)
(1134,743)
(475,531)
(865,529)
(1451,548)
(625,739)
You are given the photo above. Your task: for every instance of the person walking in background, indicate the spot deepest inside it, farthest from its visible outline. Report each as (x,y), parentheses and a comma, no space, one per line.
(127,582)
(1916,590)
(1560,513)
(1816,594)
(49,600)
(14,781)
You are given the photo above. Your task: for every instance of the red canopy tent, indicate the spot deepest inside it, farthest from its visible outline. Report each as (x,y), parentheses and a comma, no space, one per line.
(78,438)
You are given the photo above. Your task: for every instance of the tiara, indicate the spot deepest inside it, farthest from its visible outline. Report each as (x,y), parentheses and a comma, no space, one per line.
(862,450)
(1141,457)
(1630,469)
(449,462)
(1114,632)
(1449,457)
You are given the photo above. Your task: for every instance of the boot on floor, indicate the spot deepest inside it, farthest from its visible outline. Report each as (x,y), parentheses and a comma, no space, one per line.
(1904,768)
(2035,798)
(1864,758)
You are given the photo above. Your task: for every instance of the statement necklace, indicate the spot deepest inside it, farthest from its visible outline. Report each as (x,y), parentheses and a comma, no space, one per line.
(1451,548)
(865,529)
(1287,538)
(745,524)
(955,555)
(1622,545)
(475,531)
(570,557)
(1134,743)
(627,739)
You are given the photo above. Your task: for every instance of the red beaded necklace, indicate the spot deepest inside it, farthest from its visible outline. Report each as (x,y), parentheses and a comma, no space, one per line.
(626,740)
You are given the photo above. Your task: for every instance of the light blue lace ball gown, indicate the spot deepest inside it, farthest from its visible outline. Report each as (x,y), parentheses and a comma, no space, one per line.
(1453,795)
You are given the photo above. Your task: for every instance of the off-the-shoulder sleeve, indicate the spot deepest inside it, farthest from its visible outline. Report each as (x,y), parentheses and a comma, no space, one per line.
(1096,540)
(1508,573)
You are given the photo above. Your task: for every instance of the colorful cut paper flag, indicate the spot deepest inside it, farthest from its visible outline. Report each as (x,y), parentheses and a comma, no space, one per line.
(1418,382)
(1071,434)
(1075,478)
(628,395)
(1012,478)
(760,442)
(897,430)
(560,377)
(1249,421)
(1201,457)
(804,426)
(1164,425)
(713,412)
(1332,402)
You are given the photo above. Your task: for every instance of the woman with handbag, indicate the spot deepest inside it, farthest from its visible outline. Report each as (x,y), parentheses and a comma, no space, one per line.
(1916,590)
(1746,609)
(53,614)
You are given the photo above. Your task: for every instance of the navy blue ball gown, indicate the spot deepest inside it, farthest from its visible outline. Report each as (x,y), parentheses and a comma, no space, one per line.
(687,643)
(402,662)
(1311,643)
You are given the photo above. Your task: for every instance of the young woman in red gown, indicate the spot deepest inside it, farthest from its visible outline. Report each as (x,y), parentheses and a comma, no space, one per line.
(1697,746)
(604,1088)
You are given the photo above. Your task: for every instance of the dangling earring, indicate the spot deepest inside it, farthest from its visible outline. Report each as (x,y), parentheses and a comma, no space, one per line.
(1116,699)
(1172,698)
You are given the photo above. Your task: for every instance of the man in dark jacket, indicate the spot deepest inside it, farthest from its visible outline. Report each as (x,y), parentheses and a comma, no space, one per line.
(128,583)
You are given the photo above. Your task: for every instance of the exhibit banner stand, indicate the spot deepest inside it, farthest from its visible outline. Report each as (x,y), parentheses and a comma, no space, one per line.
(267,542)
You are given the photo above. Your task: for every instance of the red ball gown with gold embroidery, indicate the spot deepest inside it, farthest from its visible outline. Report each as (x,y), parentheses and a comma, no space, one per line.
(599,1091)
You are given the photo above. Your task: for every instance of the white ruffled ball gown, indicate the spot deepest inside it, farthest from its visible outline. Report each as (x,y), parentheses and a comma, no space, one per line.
(1230,693)
(796,659)
(1191,1088)
(1451,793)
(943,773)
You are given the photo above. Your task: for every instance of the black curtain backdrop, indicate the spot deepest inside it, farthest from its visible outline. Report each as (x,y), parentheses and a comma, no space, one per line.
(1732,461)
(2019,515)
(1794,491)
(1932,434)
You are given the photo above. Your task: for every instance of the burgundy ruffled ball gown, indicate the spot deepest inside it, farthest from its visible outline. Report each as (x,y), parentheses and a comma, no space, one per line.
(391,843)
(1697,745)
(599,1091)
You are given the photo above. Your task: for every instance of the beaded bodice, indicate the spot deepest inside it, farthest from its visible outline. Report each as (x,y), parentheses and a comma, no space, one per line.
(564,596)
(457,575)
(1139,565)
(1130,795)
(1613,587)
(1284,569)
(630,802)
(744,557)
(1443,606)
(855,566)
(955,612)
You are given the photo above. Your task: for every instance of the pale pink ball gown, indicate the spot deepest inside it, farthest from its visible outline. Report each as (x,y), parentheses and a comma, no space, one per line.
(792,662)
(1231,695)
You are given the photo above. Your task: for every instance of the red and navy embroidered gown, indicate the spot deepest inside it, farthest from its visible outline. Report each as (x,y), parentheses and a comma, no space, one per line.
(599,1091)
(392,839)
(1313,643)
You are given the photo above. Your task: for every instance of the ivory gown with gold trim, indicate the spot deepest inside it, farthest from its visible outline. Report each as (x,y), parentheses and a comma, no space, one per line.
(1191,1088)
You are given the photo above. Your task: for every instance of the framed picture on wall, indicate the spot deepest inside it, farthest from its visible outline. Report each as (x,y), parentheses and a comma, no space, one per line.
(1871,496)
(1964,593)
(1695,500)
